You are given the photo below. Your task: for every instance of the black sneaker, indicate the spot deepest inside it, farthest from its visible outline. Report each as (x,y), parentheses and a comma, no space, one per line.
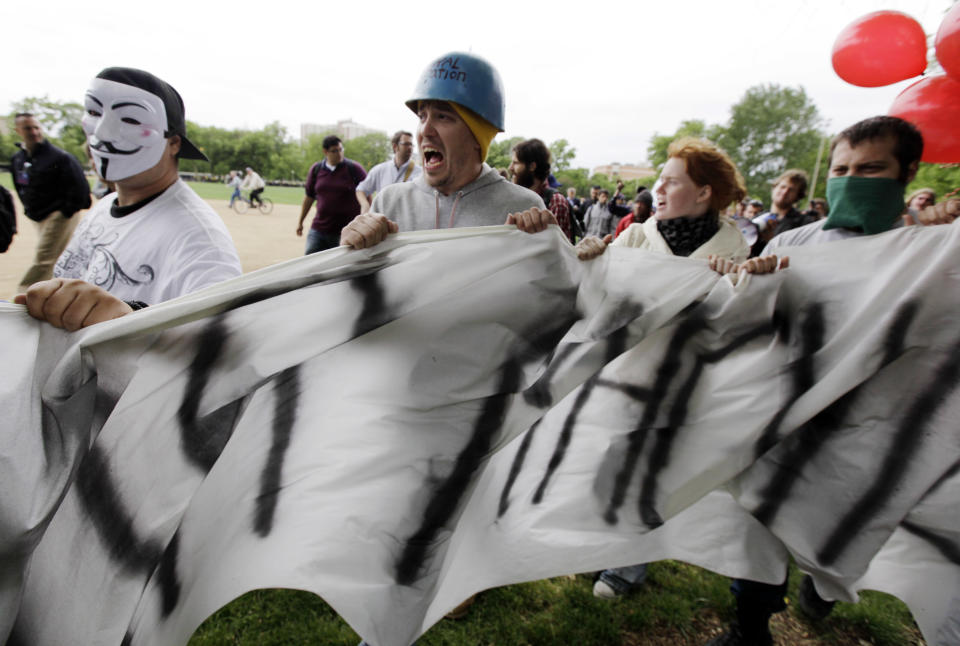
(812,604)
(733,637)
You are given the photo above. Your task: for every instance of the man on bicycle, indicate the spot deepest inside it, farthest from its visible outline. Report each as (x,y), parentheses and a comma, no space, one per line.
(255,184)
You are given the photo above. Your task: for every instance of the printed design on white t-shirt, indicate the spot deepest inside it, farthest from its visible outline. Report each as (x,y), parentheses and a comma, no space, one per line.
(93,260)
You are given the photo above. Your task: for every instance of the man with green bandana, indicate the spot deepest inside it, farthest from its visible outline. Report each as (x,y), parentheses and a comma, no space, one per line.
(871,163)
(459,103)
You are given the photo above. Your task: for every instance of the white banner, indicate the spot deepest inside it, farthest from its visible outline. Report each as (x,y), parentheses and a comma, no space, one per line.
(398,428)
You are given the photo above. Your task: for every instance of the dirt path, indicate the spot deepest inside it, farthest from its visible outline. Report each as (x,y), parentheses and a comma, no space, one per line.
(262,240)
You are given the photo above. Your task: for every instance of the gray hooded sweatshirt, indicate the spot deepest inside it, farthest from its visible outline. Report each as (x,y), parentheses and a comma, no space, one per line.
(485,201)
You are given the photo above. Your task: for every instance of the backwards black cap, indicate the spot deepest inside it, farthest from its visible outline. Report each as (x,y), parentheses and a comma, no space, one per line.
(172,103)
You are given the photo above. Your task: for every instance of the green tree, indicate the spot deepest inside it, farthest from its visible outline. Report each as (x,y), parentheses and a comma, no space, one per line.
(290,164)
(500,153)
(771,129)
(285,160)
(368,150)
(657,150)
(562,155)
(74,140)
(942,178)
(218,144)
(259,148)
(61,123)
(8,146)
(52,115)
(268,151)
(578,178)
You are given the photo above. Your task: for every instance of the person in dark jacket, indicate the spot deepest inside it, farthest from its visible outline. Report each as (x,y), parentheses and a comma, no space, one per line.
(8,219)
(52,188)
(788,189)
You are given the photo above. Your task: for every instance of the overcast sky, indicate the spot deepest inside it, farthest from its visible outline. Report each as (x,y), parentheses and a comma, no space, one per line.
(604,75)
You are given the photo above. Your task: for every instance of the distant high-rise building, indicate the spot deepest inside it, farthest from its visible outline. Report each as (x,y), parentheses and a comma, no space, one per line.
(346,129)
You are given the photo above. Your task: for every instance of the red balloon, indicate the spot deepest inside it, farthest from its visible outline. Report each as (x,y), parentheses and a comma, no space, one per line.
(880,48)
(947,43)
(933,105)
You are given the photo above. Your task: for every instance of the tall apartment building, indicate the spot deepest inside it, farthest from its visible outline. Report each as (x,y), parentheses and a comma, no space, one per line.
(626,172)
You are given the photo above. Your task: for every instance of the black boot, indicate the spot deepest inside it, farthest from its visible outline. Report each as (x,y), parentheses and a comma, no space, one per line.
(736,637)
(812,604)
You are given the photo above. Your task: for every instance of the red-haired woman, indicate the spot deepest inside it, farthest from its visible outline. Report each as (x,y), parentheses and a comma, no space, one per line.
(698,181)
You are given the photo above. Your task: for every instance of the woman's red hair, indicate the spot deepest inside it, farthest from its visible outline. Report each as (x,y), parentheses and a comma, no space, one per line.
(708,165)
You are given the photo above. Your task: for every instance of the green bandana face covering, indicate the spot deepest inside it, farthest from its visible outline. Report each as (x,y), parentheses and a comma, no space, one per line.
(871,204)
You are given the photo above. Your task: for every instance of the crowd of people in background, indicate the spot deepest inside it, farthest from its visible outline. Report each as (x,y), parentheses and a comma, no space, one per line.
(600,214)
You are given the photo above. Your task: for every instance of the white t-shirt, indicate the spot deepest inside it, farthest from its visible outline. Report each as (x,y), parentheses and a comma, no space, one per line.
(812,233)
(252,181)
(171,246)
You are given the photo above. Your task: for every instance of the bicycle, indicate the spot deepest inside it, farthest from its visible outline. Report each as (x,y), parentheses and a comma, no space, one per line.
(241,205)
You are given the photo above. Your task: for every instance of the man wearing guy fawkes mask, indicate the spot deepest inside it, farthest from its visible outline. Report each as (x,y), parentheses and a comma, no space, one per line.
(154,239)
(871,163)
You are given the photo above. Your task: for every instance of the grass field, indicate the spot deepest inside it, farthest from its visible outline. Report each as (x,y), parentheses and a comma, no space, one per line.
(211,191)
(678,605)
(279,194)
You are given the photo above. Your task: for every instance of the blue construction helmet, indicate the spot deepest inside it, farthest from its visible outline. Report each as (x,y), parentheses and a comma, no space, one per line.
(465,79)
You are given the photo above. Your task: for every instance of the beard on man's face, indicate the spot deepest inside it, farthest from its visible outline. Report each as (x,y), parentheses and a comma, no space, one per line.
(524,178)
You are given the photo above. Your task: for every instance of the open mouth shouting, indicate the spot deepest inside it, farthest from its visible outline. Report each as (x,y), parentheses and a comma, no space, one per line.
(432,158)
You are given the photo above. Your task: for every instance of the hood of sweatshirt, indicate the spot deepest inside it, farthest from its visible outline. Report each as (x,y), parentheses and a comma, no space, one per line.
(483,202)
(487,176)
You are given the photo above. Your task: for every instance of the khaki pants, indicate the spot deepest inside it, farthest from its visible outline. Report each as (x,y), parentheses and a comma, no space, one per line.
(54,233)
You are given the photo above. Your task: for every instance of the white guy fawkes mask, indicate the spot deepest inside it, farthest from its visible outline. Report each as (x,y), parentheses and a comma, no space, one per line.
(125,128)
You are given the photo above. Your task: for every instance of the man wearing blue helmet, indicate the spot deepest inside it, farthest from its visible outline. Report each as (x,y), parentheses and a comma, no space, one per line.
(459,102)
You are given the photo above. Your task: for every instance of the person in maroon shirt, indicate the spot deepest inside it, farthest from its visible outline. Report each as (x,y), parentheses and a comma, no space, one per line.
(332,184)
